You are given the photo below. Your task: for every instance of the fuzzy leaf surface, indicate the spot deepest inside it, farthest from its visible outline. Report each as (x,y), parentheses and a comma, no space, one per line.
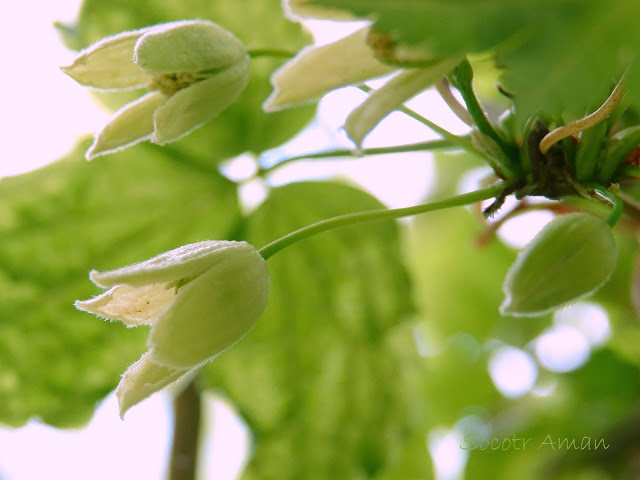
(557,55)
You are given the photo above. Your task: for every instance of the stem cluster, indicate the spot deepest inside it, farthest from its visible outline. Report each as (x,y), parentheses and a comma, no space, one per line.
(532,164)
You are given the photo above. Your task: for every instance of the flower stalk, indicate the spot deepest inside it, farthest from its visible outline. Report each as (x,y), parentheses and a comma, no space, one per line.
(358,217)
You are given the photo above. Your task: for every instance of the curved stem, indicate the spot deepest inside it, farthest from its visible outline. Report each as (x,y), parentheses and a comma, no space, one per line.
(615,201)
(351,218)
(413,147)
(269,52)
(452,102)
(462,79)
(587,122)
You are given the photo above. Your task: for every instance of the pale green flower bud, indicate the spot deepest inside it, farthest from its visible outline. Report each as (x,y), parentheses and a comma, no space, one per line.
(195,69)
(318,70)
(190,108)
(199,300)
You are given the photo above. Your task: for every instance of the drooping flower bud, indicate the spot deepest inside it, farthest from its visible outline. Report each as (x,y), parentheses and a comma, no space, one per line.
(194,70)
(199,300)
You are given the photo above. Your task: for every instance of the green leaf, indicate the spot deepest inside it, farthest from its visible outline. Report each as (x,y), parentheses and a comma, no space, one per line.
(616,296)
(328,379)
(556,54)
(258,23)
(449,264)
(574,57)
(571,257)
(478,25)
(58,223)
(444,248)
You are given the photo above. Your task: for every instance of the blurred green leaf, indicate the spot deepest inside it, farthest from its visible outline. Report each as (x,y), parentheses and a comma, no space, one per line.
(615,297)
(56,224)
(597,401)
(459,282)
(450,265)
(556,55)
(243,127)
(459,289)
(329,378)
(478,25)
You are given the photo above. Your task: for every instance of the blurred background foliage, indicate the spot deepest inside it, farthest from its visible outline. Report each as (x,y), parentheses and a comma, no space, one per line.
(376,338)
(558,57)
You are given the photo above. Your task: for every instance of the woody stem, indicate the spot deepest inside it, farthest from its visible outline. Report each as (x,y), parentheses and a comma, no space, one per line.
(186,427)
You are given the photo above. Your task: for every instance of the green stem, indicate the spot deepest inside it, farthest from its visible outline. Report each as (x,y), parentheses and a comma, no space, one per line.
(462,142)
(462,78)
(269,52)
(186,429)
(357,217)
(413,147)
(615,201)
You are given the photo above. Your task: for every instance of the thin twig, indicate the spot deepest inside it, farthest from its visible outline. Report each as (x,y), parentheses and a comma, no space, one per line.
(596,117)
(350,153)
(452,102)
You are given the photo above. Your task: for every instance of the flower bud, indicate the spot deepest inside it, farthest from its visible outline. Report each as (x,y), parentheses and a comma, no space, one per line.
(571,257)
(199,300)
(199,103)
(193,69)
(318,70)
(213,311)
